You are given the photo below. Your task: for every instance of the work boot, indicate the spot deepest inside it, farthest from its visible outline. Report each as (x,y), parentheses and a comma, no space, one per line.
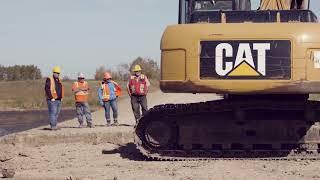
(108,123)
(90,125)
(115,123)
(55,128)
(81,125)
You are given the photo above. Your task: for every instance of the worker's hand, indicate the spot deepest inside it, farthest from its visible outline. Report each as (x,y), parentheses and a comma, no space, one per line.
(101,103)
(53,100)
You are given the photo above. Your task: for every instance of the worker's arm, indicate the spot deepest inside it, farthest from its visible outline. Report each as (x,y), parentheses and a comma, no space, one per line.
(47,89)
(100,96)
(147,81)
(85,88)
(75,89)
(128,88)
(88,88)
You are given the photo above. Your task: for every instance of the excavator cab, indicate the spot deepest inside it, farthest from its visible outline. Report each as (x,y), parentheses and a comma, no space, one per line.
(264,56)
(202,11)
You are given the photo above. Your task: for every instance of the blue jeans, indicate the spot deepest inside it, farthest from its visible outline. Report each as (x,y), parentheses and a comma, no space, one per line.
(83,109)
(114,106)
(54,110)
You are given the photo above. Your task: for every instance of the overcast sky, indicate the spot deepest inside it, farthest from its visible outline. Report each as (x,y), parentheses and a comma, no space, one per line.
(80,35)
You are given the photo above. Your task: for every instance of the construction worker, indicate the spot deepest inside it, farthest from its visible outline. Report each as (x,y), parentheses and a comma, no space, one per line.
(108,92)
(55,92)
(137,87)
(80,89)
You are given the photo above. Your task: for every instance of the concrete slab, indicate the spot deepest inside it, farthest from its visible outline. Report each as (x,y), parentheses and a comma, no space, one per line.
(70,133)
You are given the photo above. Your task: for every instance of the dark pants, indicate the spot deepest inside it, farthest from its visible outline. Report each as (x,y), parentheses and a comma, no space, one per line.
(136,102)
(83,109)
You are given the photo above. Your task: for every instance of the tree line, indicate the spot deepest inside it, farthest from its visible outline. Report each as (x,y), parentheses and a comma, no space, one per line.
(19,72)
(123,71)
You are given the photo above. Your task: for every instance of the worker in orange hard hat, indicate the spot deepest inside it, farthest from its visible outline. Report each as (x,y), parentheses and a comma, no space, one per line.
(55,92)
(108,92)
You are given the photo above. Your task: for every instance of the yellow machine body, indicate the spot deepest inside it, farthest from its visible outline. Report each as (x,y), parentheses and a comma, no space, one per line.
(180,58)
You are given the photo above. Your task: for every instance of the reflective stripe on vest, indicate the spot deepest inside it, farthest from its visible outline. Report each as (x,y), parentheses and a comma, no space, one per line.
(138,85)
(105,92)
(82,93)
(53,88)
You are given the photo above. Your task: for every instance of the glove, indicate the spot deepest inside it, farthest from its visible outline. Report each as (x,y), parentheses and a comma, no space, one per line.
(101,103)
(53,100)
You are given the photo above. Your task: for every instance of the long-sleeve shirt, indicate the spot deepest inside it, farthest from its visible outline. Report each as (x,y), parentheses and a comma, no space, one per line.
(111,87)
(58,88)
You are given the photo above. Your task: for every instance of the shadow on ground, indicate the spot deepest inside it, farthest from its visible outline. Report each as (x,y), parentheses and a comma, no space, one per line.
(128,151)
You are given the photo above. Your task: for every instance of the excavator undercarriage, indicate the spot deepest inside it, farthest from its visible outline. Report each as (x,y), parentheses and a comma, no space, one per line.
(263,127)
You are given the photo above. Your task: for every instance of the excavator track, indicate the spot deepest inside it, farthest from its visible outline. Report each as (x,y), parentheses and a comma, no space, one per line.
(231,129)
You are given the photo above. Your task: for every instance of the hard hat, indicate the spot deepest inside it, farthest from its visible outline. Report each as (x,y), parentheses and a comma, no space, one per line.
(56,69)
(81,75)
(136,68)
(107,75)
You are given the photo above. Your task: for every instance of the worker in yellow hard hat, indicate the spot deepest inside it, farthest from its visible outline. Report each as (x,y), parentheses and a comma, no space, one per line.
(137,87)
(55,92)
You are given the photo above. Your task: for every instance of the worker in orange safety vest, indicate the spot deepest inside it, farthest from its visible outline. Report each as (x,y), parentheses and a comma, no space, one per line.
(108,92)
(81,89)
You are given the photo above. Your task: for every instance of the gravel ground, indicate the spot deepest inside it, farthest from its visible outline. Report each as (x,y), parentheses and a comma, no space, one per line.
(108,161)
(101,160)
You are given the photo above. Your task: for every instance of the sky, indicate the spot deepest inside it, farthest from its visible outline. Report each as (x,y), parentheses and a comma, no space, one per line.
(81,35)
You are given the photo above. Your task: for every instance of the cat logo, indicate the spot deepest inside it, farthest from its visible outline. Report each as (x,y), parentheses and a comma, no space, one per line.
(244,63)
(245,59)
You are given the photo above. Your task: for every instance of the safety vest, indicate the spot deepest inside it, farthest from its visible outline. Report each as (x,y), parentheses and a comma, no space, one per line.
(106,91)
(53,88)
(81,96)
(138,85)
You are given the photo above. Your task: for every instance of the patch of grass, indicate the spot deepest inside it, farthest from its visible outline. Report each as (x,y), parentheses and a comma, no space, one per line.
(31,95)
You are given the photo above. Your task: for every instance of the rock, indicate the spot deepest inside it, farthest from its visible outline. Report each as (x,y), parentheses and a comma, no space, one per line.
(23,154)
(316,177)
(6,155)
(8,173)
(7,152)
(297,160)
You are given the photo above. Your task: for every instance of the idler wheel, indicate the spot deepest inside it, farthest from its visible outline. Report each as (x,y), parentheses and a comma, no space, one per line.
(158,134)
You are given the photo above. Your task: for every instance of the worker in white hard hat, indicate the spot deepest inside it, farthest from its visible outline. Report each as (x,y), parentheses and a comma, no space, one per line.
(81,89)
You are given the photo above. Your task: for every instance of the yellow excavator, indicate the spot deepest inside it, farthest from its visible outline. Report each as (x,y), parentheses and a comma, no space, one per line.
(265,62)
